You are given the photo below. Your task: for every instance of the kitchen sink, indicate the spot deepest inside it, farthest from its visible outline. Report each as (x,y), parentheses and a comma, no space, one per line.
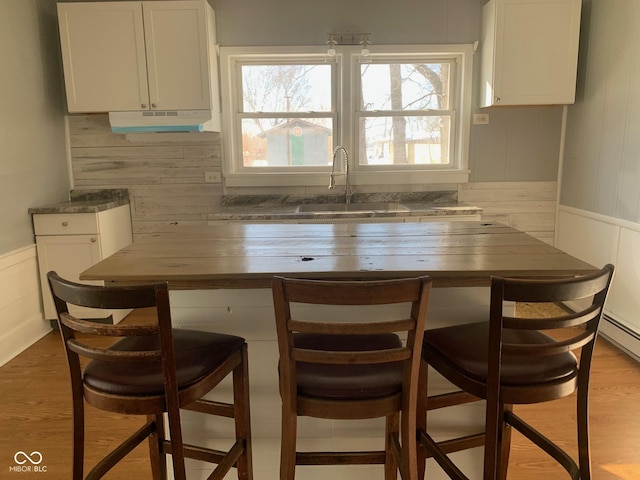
(352,207)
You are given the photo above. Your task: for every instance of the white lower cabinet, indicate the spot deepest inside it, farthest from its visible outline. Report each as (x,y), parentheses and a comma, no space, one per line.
(70,243)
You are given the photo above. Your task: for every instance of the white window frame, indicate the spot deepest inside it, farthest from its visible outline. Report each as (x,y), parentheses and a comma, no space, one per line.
(347,63)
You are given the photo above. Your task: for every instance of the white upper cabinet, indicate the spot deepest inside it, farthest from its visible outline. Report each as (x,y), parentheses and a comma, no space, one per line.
(529,52)
(131,56)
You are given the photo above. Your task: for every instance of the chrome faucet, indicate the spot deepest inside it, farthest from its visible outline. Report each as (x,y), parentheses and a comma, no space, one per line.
(332,182)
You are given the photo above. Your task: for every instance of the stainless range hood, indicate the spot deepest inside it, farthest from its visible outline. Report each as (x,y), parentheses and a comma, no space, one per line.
(165,121)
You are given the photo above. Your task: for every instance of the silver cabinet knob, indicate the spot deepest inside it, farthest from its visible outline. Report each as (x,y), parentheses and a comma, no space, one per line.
(65,224)
(497,99)
(93,240)
(153,105)
(144,105)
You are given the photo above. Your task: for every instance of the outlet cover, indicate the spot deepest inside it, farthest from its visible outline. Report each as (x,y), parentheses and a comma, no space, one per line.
(212,177)
(481,119)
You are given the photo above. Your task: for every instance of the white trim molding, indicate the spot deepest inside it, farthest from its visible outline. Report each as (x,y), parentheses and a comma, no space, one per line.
(599,239)
(22,322)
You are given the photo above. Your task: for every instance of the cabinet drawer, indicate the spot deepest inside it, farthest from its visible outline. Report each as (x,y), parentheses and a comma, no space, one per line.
(451,218)
(65,223)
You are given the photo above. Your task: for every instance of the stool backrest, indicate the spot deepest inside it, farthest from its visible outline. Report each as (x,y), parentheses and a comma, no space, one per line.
(574,330)
(66,292)
(411,291)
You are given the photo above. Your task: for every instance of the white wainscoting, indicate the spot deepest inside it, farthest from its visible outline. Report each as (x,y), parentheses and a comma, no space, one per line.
(21,320)
(599,239)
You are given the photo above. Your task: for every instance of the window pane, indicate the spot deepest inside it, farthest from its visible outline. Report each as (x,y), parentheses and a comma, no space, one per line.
(286,88)
(278,142)
(399,86)
(421,140)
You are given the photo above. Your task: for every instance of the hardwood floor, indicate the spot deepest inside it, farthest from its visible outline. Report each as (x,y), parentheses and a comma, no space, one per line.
(35,415)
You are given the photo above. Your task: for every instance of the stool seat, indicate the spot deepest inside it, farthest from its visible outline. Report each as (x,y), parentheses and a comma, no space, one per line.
(467,346)
(348,382)
(197,354)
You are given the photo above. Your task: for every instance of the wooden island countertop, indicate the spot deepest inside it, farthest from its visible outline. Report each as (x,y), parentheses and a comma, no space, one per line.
(248,255)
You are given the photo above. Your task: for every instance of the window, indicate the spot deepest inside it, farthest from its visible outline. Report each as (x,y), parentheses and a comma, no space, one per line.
(403,115)
(287,115)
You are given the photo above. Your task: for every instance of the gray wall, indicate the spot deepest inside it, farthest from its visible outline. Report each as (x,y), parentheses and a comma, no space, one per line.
(519,144)
(601,171)
(32,137)
(307,22)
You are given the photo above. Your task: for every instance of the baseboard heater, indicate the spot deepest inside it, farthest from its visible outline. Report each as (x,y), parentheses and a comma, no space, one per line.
(621,335)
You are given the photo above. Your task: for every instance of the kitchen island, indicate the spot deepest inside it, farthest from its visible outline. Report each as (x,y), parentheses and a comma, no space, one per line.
(220,277)
(248,255)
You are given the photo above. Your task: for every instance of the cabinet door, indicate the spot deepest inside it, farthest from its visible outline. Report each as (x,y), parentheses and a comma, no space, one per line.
(530,52)
(68,255)
(178,54)
(103,56)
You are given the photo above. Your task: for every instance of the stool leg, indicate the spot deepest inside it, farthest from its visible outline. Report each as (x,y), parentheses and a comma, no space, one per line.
(288,445)
(584,455)
(242,416)
(493,434)
(78,436)
(177,446)
(497,442)
(392,428)
(505,449)
(421,418)
(157,458)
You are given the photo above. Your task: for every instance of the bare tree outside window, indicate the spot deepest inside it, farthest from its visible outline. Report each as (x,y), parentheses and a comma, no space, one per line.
(406,116)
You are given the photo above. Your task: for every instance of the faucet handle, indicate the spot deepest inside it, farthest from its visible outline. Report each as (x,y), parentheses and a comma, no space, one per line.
(349,194)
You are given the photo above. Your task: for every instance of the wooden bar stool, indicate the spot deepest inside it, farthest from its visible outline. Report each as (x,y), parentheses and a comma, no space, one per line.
(152,370)
(346,368)
(508,361)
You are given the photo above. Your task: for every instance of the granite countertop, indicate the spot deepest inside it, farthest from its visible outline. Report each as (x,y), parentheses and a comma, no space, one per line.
(260,208)
(86,201)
